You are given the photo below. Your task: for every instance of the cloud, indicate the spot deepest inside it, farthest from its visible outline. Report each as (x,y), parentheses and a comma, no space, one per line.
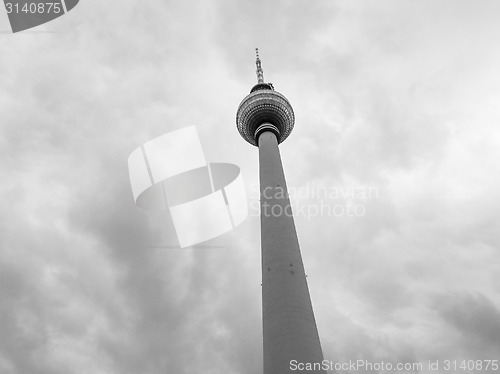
(475,319)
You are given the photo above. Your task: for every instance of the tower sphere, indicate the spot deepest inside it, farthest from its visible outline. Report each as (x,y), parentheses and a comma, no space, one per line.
(264,106)
(264,109)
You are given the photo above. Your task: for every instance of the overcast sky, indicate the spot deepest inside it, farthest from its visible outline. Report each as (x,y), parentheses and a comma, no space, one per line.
(398,97)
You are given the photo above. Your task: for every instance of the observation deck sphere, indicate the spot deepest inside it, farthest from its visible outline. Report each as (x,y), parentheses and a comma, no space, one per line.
(264,105)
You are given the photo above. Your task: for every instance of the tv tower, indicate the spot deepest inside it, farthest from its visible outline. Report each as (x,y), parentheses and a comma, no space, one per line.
(265,118)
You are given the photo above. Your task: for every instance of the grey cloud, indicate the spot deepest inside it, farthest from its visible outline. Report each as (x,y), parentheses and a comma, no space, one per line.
(475,317)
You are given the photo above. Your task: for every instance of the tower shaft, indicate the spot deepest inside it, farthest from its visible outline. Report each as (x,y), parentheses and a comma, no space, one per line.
(289,326)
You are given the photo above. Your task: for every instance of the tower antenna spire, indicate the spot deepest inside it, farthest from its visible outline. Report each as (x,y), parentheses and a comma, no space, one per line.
(260,72)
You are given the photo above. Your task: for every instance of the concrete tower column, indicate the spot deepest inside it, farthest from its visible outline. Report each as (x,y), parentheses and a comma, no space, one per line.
(289,326)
